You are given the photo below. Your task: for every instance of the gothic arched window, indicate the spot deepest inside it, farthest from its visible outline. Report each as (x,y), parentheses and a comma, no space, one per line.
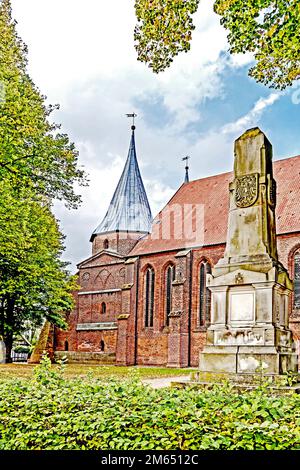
(149,296)
(102,345)
(106,244)
(103,307)
(297,280)
(204,295)
(66,346)
(170,277)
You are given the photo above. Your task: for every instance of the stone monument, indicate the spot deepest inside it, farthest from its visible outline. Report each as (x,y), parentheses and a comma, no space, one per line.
(250,287)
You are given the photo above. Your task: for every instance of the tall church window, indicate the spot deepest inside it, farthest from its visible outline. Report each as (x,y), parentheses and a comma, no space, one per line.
(102,345)
(204,295)
(106,244)
(297,280)
(103,307)
(170,277)
(149,296)
(66,346)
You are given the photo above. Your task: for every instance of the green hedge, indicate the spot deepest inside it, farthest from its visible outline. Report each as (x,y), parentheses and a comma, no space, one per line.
(50,412)
(22,349)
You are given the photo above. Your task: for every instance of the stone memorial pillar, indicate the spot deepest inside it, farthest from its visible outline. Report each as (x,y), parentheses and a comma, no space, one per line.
(250,287)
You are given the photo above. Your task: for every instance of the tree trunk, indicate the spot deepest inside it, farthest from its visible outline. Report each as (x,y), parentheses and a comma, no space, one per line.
(8,336)
(8,341)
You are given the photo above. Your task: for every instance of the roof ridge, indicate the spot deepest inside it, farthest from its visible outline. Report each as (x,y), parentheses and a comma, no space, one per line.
(212,193)
(230,172)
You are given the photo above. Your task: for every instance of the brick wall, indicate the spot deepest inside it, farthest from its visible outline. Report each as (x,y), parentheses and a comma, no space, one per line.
(121,242)
(105,273)
(176,344)
(152,341)
(212,255)
(288,245)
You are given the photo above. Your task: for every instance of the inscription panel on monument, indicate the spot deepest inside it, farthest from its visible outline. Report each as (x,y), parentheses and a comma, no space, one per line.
(242,307)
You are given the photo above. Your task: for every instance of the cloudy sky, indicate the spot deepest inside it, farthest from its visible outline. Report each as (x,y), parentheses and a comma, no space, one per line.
(82,56)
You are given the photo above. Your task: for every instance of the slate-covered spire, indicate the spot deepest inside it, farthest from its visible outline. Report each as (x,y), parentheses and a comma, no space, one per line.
(129,209)
(187,178)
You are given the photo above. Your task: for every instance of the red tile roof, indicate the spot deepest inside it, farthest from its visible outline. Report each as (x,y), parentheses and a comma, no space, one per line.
(212,195)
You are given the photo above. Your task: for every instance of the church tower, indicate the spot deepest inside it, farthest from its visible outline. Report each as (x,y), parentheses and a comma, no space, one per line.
(129,215)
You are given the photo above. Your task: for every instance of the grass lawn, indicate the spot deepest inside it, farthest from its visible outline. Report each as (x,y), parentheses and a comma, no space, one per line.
(74,370)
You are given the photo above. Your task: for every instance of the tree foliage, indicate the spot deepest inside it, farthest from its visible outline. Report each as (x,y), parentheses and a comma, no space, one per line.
(34,283)
(164,30)
(52,413)
(30,145)
(37,164)
(269,29)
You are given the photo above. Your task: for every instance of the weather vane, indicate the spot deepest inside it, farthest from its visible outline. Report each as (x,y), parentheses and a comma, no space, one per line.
(186,160)
(133,116)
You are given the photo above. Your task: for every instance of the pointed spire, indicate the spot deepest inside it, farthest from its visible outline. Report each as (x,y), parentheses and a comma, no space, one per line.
(129,209)
(187,178)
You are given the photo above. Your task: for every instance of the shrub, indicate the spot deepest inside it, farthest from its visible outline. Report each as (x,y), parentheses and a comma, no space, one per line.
(22,349)
(50,412)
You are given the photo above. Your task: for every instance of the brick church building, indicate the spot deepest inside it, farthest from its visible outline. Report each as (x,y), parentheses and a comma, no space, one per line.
(142,297)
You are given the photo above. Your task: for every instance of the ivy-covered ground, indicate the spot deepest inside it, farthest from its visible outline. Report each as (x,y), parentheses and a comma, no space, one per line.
(49,411)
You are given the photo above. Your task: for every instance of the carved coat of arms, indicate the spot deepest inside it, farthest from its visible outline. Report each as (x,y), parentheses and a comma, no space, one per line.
(246,190)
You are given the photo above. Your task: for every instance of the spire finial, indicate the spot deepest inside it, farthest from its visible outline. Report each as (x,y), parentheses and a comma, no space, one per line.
(133,116)
(187,178)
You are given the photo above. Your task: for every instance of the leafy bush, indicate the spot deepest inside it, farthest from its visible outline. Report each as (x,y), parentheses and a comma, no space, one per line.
(22,349)
(50,412)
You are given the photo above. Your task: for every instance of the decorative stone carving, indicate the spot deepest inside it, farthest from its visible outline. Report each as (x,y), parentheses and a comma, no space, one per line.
(239,279)
(246,192)
(127,286)
(123,316)
(178,282)
(272,187)
(175,314)
(86,277)
(239,337)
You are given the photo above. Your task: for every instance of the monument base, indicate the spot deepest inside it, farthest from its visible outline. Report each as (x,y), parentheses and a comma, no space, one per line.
(249,329)
(277,384)
(247,359)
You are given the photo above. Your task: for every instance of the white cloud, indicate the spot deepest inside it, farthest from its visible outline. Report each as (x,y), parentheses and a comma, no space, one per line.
(251,118)
(81,54)
(240,60)
(94,40)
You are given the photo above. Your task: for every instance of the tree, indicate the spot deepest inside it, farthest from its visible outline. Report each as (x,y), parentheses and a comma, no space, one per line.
(267,28)
(34,283)
(30,146)
(37,164)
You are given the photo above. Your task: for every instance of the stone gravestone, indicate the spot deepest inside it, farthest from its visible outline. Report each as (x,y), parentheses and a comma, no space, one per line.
(250,287)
